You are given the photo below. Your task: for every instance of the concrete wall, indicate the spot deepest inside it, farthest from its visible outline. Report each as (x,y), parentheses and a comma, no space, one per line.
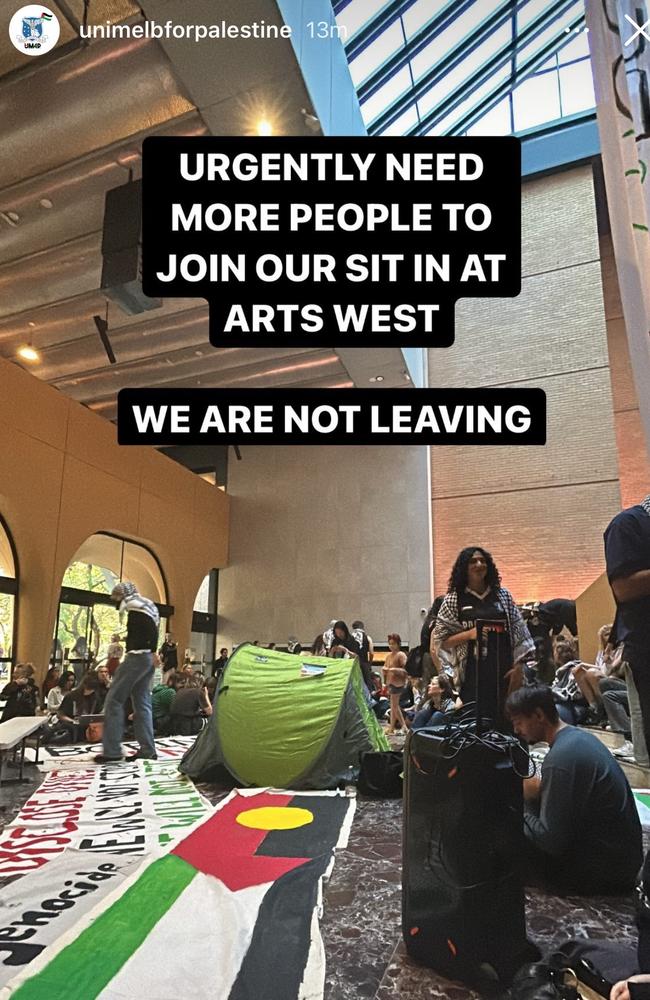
(321,533)
(64,477)
(540,511)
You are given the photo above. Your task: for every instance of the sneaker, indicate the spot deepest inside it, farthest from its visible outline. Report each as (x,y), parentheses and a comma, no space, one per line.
(626,750)
(101,759)
(140,756)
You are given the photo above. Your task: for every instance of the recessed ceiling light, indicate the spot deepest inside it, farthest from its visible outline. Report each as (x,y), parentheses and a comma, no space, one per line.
(31,323)
(13,216)
(46,203)
(28,353)
(376,378)
(264,127)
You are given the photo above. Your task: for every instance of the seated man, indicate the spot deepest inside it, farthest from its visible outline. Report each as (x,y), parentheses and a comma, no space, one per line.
(162,697)
(581,823)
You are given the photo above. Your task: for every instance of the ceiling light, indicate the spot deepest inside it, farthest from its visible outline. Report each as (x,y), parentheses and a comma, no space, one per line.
(264,127)
(376,378)
(28,353)
(46,203)
(13,216)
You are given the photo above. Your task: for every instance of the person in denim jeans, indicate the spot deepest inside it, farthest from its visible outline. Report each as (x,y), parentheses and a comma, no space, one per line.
(133,678)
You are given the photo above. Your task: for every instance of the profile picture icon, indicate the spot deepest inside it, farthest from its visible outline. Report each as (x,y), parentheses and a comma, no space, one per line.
(34,30)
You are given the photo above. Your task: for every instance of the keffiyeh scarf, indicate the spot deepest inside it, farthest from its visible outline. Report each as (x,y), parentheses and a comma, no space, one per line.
(448,624)
(133,601)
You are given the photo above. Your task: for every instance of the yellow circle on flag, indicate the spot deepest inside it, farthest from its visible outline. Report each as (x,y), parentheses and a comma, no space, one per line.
(275,818)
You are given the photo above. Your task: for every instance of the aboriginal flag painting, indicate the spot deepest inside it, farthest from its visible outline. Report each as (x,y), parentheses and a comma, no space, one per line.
(231,913)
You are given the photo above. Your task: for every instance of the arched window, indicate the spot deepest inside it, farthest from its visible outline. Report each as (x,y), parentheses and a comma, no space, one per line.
(8,597)
(87,618)
(204,624)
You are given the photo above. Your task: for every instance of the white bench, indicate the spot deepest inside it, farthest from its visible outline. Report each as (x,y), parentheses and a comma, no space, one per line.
(15,732)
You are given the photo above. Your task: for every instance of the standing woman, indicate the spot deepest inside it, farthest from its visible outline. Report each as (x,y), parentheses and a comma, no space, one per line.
(344,644)
(396,679)
(114,654)
(474,591)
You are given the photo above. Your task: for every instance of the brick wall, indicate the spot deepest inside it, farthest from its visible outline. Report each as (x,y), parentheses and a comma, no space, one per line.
(540,511)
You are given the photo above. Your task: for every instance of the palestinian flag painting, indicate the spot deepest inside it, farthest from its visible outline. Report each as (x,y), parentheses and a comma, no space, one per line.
(231,913)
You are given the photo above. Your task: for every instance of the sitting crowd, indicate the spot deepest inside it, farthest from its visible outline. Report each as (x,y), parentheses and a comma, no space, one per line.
(181,701)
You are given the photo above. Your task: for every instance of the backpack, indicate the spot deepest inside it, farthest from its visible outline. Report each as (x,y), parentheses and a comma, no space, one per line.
(381,774)
(414,665)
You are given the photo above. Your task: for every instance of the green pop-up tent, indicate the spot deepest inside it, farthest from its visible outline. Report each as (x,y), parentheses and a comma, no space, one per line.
(286,721)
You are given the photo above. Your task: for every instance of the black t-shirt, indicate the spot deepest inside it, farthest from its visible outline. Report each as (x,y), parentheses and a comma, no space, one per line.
(364,647)
(141,631)
(169,655)
(348,643)
(219,665)
(89,704)
(22,700)
(627,550)
(188,703)
(470,609)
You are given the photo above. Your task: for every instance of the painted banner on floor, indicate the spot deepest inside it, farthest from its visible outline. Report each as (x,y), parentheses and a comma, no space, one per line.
(129,808)
(642,799)
(37,909)
(245,884)
(81,754)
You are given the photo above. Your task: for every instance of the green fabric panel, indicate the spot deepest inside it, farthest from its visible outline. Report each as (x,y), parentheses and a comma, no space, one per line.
(273,723)
(375,732)
(85,967)
(643,797)
(347,741)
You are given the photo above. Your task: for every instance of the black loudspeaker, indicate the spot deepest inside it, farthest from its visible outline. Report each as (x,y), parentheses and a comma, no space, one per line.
(462,896)
(121,250)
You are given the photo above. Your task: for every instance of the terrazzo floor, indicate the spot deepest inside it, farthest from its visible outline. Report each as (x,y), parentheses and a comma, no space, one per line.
(365,957)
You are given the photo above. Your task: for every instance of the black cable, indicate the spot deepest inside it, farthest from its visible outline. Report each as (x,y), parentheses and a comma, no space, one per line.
(458,738)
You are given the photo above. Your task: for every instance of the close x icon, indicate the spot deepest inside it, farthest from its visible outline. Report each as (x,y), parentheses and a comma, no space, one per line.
(640,29)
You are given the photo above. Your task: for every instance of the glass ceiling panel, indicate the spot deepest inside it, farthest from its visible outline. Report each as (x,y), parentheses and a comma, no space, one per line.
(463,73)
(577,49)
(405,122)
(577,88)
(358,13)
(537,100)
(495,122)
(528,12)
(458,34)
(399,83)
(558,27)
(444,125)
(372,58)
(397,69)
